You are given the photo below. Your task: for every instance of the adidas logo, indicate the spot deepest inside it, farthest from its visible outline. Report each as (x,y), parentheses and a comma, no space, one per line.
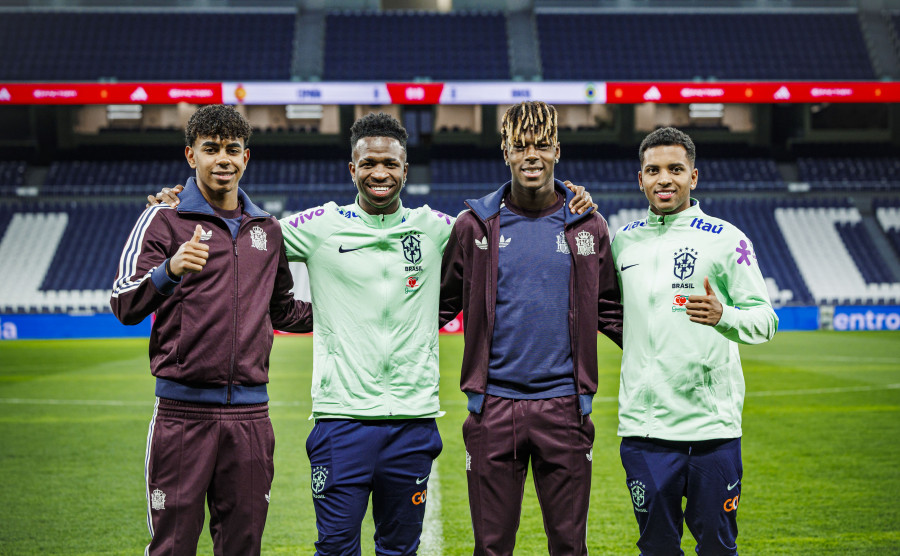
(206,235)
(652,94)
(483,243)
(139,95)
(782,94)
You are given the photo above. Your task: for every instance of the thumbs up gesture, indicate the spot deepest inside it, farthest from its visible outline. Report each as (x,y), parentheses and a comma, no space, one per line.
(705,309)
(190,257)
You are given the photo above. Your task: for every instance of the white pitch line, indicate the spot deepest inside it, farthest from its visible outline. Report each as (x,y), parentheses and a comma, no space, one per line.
(432,529)
(836,390)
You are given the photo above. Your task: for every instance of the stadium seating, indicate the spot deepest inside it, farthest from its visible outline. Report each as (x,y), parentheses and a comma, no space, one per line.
(65,261)
(887,212)
(679,46)
(415,45)
(850,173)
(146,46)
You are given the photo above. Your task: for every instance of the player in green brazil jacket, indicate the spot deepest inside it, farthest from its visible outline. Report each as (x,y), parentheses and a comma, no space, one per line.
(691,292)
(393,263)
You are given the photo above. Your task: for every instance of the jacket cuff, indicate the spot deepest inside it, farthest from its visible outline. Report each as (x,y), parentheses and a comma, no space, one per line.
(728,319)
(162,281)
(476,402)
(586,403)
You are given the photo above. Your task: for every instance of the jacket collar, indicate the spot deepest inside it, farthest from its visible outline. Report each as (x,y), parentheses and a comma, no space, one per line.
(489,205)
(380,220)
(692,211)
(194,201)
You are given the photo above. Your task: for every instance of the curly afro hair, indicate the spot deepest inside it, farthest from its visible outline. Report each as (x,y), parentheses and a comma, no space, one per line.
(377,125)
(217,120)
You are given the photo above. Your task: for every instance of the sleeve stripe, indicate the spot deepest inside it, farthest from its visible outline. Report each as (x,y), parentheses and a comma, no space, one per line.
(132,252)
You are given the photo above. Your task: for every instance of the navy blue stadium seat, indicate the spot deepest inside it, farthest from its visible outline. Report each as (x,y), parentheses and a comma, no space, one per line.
(415,45)
(850,173)
(738,46)
(146,46)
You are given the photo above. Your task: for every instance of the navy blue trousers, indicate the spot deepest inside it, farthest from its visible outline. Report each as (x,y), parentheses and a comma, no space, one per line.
(708,474)
(389,459)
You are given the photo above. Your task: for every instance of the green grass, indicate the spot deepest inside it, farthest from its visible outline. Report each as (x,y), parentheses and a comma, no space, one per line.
(821,450)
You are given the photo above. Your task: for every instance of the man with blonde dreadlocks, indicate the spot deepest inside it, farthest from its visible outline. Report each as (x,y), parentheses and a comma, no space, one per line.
(535,283)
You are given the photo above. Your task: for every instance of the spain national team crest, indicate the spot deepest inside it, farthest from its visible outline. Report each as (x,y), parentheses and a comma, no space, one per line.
(561,245)
(685,259)
(412,249)
(158,500)
(319,476)
(258,238)
(584,242)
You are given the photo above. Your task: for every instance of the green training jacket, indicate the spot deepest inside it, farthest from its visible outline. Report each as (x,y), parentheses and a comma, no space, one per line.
(683,380)
(375,282)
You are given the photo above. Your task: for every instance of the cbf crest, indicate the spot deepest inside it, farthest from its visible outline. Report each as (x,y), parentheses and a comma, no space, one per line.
(584,242)
(319,476)
(637,495)
(685,260)
(258,238)
(412,249)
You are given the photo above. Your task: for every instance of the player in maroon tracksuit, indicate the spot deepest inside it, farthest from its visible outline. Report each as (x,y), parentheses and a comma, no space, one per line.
(215,273)
(535,283)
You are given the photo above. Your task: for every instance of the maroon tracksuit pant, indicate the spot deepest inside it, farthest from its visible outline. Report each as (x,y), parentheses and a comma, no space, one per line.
(218,454)
(500,442)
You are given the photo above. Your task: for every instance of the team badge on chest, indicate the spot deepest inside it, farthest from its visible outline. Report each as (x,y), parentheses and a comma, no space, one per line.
(584,242)
(258,238)
(561,245)
(412,249)
(685,260)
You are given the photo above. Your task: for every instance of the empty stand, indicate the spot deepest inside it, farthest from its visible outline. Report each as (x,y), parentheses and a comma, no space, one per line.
(850,173)
(76,45)
(404,46)
(826,263)
(679,46)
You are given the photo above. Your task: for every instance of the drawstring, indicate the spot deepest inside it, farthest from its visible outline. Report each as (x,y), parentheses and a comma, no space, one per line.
(514,433)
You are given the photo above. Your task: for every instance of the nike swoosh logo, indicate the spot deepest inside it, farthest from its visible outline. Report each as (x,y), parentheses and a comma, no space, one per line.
(734,485)
(422,480)
(624,268)
(342,250)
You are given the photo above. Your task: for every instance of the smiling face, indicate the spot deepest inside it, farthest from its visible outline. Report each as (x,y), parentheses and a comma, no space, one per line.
(219,164)
(379,171)
(667,178)
(531,162)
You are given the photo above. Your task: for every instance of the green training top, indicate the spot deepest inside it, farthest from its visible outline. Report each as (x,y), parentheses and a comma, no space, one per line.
(683,380)
(375,282)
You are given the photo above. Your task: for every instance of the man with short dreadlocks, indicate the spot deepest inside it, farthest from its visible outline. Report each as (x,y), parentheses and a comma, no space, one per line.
(535,283)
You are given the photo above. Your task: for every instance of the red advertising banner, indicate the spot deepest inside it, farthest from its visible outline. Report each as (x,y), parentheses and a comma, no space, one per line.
(415,93)
(110,93)
(751,92)
(557,92)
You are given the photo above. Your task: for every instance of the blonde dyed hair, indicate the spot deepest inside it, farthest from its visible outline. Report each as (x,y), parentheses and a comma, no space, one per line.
(536,116)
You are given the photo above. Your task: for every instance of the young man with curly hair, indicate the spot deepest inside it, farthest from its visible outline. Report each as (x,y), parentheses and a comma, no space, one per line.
(215,274)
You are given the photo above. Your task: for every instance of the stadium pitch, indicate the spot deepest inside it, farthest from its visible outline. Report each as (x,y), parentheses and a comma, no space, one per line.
(821,451)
